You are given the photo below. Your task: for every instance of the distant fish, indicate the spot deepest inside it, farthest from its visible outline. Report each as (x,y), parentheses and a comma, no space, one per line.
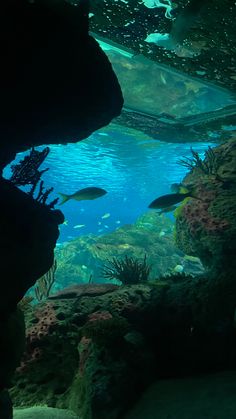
(106,226)
(99,223)
(83,194)
(168,200)
(103,133)
(163,79)
(118,222)
(100,230)
(65,223)
(107,215)
(79,226)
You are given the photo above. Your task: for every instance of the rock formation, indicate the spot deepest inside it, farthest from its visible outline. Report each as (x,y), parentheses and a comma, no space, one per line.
(56,86)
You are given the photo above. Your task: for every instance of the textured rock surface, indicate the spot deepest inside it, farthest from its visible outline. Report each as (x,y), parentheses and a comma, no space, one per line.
(56,86)
(206,227)
(82,259)
(95,355)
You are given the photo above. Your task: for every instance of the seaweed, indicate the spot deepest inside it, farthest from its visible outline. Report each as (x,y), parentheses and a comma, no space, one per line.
(208,166)
(128,271)
(44,284)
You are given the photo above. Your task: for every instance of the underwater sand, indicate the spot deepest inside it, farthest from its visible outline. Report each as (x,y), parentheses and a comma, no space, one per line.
(43,413)
(211,396)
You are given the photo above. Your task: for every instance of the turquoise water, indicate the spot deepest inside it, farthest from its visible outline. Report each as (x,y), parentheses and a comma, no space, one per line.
(132,168)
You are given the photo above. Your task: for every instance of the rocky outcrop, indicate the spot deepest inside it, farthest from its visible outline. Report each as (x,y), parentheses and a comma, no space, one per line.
(95,354)
(57,85)
(205,225)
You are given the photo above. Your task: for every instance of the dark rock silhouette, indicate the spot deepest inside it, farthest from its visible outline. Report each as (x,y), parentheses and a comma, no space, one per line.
(56,86)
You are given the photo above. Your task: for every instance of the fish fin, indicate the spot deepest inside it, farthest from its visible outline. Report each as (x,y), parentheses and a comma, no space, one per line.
(64,197)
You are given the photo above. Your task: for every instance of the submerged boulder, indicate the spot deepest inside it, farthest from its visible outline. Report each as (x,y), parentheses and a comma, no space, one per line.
(56,86)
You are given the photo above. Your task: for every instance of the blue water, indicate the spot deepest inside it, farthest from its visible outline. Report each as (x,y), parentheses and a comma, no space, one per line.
(134,171)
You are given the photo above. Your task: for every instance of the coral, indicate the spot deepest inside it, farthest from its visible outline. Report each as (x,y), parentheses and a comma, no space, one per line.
(205,225)
(105,330)
(26,173)
(128,271)
(45,321)
(208,166)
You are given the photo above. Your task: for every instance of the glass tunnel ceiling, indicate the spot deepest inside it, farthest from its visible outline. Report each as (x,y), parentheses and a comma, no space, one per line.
(156,89)
(208,45)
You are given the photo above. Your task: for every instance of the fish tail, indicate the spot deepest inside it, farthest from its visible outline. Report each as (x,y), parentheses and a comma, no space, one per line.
(64,198)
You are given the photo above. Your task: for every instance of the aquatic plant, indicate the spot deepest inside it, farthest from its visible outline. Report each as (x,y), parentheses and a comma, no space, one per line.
(128,270)
(27,172)
(208,166)
(44,284)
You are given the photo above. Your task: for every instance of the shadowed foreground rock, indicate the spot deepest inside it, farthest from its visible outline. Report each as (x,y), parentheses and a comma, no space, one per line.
(56,86)
(96,354)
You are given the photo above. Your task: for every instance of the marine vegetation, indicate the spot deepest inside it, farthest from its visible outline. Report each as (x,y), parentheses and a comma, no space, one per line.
(44,284)
(27,172)
(208,166)
(128,271)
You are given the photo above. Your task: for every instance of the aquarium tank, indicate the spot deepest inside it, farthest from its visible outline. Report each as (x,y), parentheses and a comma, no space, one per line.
(118,209)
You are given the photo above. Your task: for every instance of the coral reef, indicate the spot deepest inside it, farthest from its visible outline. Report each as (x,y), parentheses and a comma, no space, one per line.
(82,259)
(97,353)
(205,225)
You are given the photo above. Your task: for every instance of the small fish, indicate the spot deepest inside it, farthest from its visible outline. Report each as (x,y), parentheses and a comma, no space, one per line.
(100,230)
(168,200)
(84,194)
(118,222)
(103,134)
(106,226)
(65,223)
(99,223)
(107,215)
(79,226)
(163,79)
